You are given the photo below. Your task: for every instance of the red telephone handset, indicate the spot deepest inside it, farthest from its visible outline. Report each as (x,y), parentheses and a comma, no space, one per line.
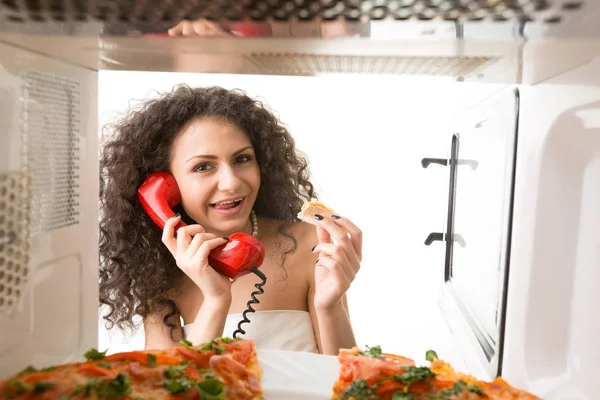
(159,193)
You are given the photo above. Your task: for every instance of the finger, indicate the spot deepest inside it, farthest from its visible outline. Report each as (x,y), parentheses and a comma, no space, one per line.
(177,29)
(185,235)
(323,236)
(356,236)
(336,271)
(211,28)
(201,28)
(188,28)
(196,242)
(214,29)
(349,263)
(337,233)
(207,246)
(168,235)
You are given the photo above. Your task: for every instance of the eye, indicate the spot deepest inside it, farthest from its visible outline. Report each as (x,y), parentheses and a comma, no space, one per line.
(242,159)
(202,167)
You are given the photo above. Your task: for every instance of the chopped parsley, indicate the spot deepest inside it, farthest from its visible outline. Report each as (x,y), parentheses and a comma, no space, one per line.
(209,389)
(413,374)
(31,369)
(458,388)
(17,388)
(174,371)
(212,345)
(27,370)
(208,346)
(209,375)
(105,388)
(227,340)
(402,396)
(41,387)
(359,390)
(179,385)
(374,352)
(151,360)
(115,388)
(94,354)
(477,390)
(86,389)
(431,355)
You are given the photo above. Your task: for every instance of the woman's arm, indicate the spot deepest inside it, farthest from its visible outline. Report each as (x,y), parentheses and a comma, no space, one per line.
(339,252)
(210,322)
(208,325)
(333,328)
(191,248)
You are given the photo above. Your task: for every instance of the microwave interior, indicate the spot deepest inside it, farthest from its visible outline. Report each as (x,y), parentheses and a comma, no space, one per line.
(508,230)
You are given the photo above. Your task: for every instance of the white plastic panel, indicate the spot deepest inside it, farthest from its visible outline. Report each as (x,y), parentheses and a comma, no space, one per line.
(49,251)
(472,298)
(64,273)
(552,331)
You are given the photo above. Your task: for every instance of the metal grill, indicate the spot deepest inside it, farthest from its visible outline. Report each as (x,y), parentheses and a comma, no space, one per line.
(308,64)
(172,11)
(14,238)
(51,149)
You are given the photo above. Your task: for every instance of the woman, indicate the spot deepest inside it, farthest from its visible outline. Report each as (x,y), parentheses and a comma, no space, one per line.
(238,171)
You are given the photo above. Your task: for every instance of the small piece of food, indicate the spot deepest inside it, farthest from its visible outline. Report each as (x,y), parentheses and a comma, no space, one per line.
(219,370)
(372,374)
(311,208)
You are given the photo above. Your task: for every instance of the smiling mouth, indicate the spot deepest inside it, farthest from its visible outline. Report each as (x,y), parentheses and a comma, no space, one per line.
(225,205)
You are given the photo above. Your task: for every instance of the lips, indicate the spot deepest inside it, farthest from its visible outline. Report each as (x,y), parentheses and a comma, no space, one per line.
(227,204)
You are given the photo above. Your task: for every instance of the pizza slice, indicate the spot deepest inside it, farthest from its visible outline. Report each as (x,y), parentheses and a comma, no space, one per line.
(372,374)
(221,369)
(311,208)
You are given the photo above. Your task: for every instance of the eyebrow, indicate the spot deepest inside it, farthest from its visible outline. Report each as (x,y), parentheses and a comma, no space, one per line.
(212,157)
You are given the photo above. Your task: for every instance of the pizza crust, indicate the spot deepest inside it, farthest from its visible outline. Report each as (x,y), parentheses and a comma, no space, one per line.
(313,207)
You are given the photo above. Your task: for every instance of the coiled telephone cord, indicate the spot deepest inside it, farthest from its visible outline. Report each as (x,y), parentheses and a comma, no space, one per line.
(254,300)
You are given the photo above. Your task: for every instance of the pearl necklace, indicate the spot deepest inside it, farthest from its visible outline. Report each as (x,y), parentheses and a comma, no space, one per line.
(254,221)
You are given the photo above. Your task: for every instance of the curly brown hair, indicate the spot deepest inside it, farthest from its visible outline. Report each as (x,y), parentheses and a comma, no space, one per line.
(137,272)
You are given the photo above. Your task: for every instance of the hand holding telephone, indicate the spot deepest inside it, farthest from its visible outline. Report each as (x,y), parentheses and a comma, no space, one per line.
(159,194)
(242,253)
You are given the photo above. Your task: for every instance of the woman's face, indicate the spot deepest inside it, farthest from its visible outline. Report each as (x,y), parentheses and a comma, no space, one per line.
(215,168)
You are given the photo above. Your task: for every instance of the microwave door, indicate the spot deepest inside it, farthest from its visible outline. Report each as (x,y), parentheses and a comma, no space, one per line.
(480,201)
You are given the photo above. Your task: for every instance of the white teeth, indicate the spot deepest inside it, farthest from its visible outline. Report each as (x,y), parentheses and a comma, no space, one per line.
(222,203)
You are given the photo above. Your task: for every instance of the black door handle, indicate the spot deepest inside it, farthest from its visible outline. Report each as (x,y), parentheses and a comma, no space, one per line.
(439,237)
(426,162)
(434,237)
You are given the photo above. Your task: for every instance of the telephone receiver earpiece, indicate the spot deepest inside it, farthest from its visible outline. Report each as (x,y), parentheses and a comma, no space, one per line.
(159,193)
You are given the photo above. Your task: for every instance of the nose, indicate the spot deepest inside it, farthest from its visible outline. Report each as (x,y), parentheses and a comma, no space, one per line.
(229,181)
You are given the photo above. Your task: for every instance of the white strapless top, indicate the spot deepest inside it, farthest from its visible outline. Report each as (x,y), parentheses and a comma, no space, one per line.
(290,330)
